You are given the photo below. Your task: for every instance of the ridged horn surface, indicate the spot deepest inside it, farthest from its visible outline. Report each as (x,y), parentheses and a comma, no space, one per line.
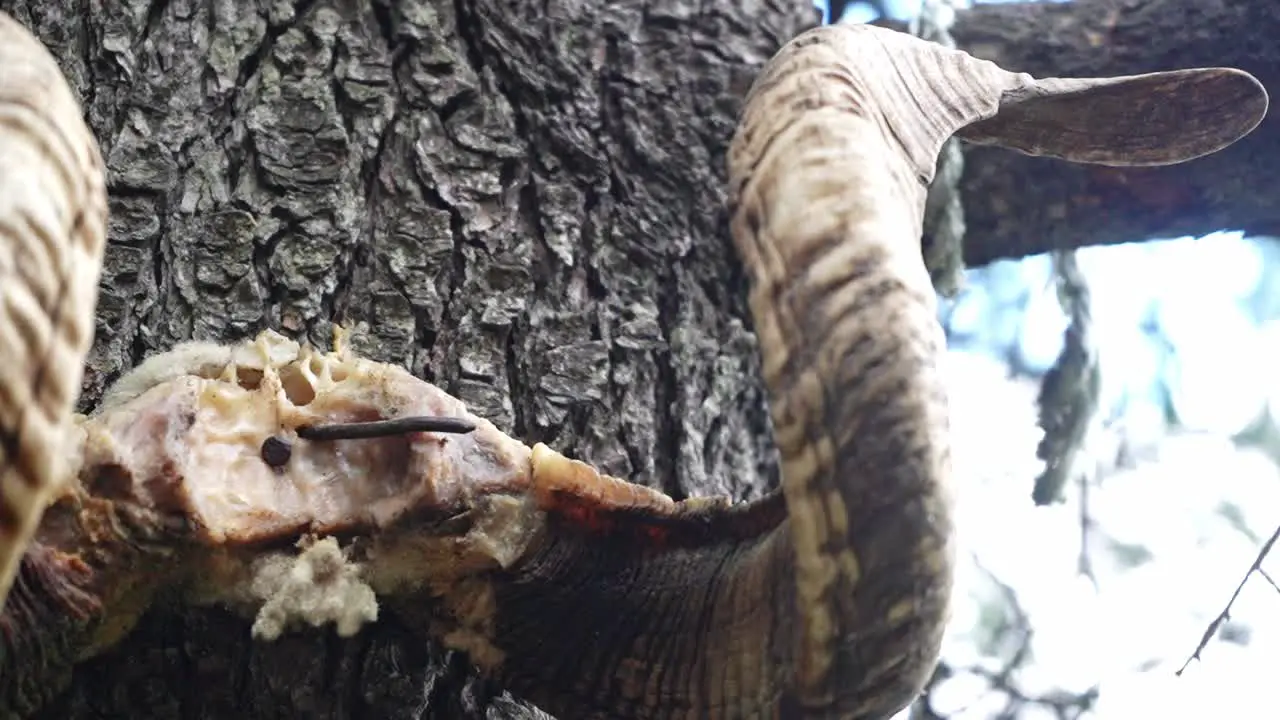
(53,210)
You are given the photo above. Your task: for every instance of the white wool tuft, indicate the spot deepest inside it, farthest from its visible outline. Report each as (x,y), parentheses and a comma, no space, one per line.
(316,587)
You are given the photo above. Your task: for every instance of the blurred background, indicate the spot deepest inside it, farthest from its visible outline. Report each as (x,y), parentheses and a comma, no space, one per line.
(1087,608)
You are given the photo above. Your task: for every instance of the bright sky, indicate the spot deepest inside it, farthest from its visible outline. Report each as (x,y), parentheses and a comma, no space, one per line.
(1189,331)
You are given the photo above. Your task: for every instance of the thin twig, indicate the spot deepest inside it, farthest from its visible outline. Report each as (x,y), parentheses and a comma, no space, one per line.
(1226,611)
(1267,576)
(1084,564)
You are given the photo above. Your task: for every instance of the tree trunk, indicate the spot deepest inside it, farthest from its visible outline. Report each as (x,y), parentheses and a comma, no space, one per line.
(524,203)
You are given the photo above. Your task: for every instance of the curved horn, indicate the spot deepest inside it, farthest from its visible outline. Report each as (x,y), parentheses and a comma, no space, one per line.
(834,605)
(53,210)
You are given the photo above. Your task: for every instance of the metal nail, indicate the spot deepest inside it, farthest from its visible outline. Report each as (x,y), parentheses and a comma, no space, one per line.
(386,428)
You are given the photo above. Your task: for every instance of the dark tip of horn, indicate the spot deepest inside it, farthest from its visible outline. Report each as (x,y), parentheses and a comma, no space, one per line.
(386,428)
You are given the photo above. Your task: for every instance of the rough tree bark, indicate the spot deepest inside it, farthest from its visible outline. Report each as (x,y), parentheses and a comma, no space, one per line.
(524,203)
(522,200)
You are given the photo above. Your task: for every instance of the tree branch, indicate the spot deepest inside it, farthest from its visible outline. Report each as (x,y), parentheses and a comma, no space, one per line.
(1216,624)
(1016,206)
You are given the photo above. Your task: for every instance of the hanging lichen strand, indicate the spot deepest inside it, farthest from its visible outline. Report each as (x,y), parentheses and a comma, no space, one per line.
(943,236)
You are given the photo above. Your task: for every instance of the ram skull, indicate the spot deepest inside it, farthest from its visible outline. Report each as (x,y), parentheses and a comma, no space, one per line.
(200,477)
